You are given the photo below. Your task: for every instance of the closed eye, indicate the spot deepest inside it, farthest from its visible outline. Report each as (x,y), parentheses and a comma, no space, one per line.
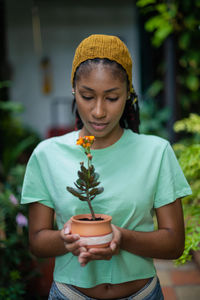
(87,98)
(113,99)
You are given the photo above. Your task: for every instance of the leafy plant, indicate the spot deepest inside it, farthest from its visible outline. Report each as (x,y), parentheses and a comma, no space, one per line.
(17,143)
(15,258)
(188,152)
(180,19)
(17,140)
(87,183)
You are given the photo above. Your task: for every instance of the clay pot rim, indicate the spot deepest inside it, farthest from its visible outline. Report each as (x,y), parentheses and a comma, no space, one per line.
(104,217)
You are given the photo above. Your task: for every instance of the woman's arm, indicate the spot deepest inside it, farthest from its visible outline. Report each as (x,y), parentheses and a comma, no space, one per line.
(44,241)
(166,242)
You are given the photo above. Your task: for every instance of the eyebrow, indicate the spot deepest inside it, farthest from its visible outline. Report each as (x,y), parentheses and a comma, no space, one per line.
(106,91)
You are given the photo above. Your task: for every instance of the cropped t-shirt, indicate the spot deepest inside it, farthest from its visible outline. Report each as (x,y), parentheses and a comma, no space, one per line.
(139,173)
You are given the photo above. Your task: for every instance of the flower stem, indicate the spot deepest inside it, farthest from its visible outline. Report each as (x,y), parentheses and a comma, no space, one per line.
(91,210)
(88,168)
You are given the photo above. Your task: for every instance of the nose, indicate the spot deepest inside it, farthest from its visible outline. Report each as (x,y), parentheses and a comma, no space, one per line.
(99,109)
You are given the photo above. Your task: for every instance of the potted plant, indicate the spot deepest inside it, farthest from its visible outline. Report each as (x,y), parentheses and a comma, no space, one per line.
(94,229)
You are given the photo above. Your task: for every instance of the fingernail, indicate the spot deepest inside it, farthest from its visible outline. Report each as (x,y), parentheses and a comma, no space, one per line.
(66,230)
(113,247)
(76,236)
(83,249)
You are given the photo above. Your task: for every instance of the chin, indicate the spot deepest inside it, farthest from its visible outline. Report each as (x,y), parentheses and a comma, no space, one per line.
(96,133)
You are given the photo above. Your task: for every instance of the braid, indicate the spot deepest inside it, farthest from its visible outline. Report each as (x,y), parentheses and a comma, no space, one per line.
(131,115)
(78,121)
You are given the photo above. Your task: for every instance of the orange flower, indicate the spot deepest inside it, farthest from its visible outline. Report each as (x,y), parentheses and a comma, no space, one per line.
(80,141)
(87,145)
(86,141)
(90,138)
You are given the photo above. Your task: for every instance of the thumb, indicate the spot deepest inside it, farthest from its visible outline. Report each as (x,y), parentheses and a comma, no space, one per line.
(113,246)
(67,227)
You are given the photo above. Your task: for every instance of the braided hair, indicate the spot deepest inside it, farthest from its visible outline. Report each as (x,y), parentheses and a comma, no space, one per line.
(130,118)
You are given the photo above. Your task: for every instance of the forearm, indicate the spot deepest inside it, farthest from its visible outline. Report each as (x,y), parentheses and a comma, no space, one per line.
(162,243)
(47,243)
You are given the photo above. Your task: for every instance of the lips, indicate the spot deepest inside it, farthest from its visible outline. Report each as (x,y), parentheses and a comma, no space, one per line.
(98,126)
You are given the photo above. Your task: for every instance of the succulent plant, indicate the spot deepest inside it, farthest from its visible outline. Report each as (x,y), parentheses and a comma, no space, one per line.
(86,186)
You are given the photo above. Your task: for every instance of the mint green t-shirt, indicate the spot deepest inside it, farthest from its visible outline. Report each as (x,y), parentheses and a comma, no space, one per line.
(139,173)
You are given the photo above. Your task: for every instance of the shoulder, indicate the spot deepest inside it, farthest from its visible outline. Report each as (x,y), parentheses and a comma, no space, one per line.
(56,143)
(149,142)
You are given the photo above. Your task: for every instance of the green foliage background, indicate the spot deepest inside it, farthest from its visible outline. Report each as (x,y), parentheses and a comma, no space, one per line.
(188,152)
(179,18)
(17,143)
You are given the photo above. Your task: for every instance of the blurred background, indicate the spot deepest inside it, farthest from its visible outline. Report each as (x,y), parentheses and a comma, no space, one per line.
(37,43)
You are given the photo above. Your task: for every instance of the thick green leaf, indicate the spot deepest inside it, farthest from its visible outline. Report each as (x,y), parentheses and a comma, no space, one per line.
(84,170)
(82,188)
(83,176)
(80,182)
(96,191)
(82,198)
(100,190)
(74,192)
(94,184)
(94,178)
(93,191)
(91,169)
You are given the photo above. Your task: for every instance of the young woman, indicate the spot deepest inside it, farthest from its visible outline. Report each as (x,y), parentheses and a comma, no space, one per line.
(140,176)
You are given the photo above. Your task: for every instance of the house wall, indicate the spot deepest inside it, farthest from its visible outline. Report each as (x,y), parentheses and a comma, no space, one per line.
(63,25)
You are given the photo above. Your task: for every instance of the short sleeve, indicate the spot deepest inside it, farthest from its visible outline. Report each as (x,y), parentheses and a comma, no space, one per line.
(34,188)
(171,182)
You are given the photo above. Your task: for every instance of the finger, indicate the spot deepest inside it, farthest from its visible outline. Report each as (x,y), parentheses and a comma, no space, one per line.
(67,227)
(101,251)
(98,254)
(72,247)
(76,247)
(78,251)
(84,259)
(100,257)
(113,246)
(71,238)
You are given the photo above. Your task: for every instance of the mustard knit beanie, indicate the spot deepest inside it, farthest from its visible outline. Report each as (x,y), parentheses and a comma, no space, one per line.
(103,46)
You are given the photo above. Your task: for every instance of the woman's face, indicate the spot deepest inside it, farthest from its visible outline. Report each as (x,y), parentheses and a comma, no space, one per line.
(100,99)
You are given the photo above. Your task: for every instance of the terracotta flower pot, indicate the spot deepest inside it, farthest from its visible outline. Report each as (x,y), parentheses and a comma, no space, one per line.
(96,233)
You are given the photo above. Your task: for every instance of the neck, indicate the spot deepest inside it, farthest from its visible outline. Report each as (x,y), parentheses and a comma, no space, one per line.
(104,141)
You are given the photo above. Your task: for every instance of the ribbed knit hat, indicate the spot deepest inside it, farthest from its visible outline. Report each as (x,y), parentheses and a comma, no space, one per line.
(103,46)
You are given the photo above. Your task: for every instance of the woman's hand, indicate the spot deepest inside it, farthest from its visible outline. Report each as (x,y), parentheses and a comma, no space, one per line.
(102,253)
(71,241)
